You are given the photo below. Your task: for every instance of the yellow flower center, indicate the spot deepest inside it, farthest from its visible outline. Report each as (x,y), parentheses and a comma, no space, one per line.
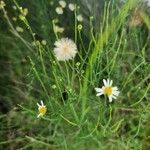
(42,110)
(108,90)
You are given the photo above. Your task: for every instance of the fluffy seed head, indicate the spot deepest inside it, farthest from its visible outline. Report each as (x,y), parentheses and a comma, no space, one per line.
(59,10)
(65,49)
(80,18)
(71,7)
(62,3)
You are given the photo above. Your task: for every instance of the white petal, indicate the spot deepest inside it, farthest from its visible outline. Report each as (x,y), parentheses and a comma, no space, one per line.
(108,82)
(99,94)
(114,97)
(42,103)
(103,88)
(98,89)
(110,98)
(116,93)
(38,104)
(38,115)
(105,82)
(115,88)
(111,82)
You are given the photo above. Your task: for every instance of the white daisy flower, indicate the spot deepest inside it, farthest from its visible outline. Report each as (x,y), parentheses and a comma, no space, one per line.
(71,7)
(80,18)
(59,10)
(65,49)
(107,89)
(62,3)
(42,109)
